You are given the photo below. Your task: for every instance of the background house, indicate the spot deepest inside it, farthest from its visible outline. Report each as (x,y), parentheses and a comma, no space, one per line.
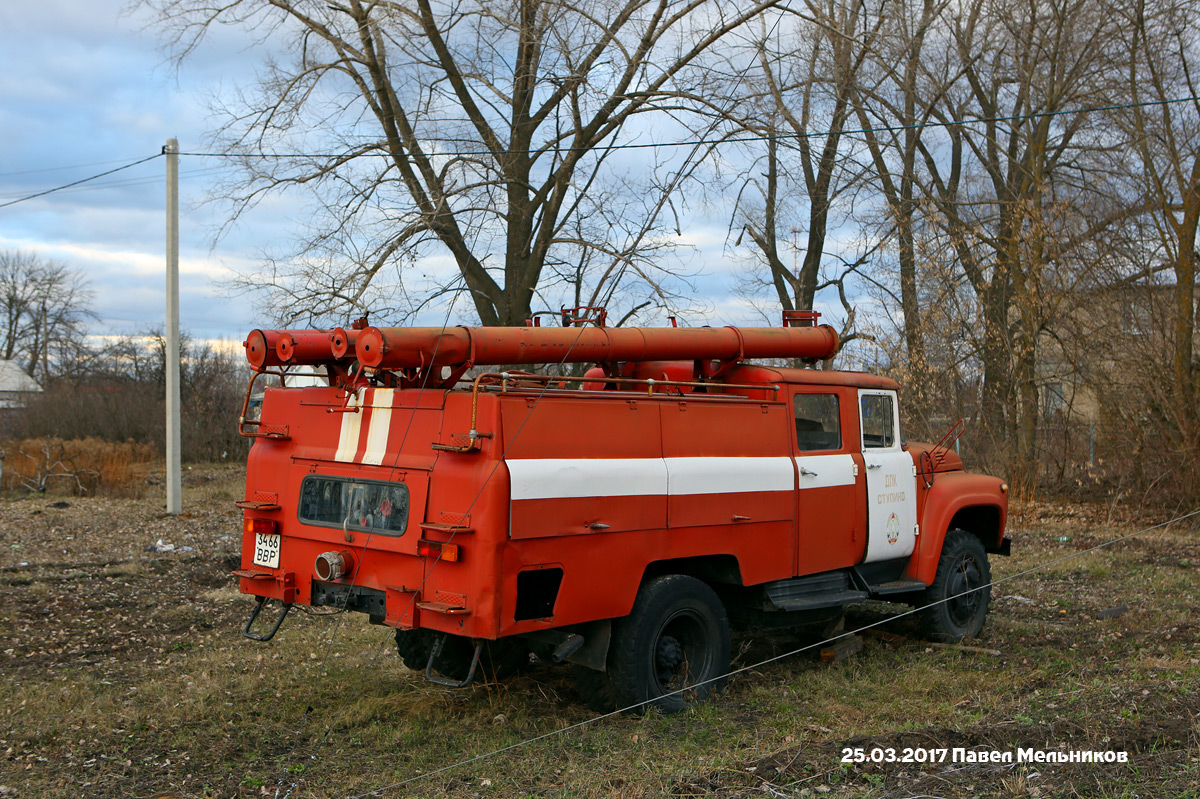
(16,387)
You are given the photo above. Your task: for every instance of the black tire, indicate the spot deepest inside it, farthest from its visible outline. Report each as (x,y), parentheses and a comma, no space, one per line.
(959,613)
(594,689)
(499,659)
(413,646)
(502,659)
(673,649)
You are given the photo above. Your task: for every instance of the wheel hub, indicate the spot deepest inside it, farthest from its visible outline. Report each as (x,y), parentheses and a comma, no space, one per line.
(962,605)
(668,655)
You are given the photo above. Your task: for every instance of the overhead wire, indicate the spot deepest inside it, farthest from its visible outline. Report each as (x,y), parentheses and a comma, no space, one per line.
(81,181)
(135,181)
(62,168)
(767,661)
(616,146)
(721,140)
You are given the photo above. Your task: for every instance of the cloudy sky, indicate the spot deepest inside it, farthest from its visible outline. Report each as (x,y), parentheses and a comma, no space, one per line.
(94,91)
(87,90)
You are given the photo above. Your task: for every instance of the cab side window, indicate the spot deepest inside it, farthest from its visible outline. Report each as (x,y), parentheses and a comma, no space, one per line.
(878,421)
(818,425)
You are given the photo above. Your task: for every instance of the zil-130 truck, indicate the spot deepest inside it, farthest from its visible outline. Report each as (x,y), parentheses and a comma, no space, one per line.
(616,519)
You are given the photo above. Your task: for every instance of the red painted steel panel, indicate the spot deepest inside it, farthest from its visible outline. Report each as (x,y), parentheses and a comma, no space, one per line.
(601,573)
(588,427)
(739,428)
(950,493)
(729,430)
(542,518)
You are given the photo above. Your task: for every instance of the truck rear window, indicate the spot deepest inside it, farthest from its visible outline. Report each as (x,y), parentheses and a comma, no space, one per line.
(366,505)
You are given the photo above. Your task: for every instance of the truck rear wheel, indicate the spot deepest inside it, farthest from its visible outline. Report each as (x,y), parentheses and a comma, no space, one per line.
(595,689)
(499,659)
(959,611)
(673,649)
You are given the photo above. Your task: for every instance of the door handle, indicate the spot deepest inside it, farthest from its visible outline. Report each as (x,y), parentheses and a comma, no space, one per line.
(874,465)
(808,472)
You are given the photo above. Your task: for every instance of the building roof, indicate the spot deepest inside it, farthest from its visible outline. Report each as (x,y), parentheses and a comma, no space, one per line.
(14,379)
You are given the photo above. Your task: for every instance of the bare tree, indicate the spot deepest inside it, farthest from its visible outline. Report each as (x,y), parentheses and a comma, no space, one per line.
(44,307)
(1162,124)
(482,129)
(893,101)
(1011,184)
(807,72)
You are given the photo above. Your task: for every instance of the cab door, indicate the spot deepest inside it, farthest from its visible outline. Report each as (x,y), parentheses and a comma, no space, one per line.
(891,481)
(829,532)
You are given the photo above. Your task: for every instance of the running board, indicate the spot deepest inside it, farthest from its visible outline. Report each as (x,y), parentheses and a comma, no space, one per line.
(898,587)
(818,591)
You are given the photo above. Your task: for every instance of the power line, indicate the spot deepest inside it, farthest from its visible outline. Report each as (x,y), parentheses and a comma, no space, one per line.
(767,661)
(625,146)
(141,181)
(62,168)
(721,140)
(78,182)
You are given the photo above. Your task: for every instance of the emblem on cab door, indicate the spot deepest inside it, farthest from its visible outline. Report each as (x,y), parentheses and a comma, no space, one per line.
(893,529)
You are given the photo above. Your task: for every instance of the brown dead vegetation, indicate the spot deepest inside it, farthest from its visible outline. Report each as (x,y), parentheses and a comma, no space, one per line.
(126,675)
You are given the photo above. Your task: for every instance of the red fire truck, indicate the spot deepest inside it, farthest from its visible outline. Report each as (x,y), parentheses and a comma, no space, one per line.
(615,519)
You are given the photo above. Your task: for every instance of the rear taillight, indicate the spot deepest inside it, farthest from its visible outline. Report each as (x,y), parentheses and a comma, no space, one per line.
(264,526)
(436,549)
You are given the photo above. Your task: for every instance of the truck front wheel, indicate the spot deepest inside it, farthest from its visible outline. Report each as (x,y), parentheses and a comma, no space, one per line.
(673,649)
(961,591)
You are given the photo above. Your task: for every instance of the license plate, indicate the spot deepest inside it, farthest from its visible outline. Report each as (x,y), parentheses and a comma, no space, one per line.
(266,550)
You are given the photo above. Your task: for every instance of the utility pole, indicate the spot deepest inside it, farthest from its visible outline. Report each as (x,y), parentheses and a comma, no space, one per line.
(174,473)
(45,348)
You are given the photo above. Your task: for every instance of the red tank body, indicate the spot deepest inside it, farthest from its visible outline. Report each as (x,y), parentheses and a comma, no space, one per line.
(536,511)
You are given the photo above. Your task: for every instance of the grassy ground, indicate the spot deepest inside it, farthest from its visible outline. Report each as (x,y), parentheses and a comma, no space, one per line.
(124,674)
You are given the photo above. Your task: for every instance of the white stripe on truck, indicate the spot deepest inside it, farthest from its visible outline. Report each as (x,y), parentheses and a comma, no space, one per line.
(351,427)
(561,478)
(381,425)
(567,478)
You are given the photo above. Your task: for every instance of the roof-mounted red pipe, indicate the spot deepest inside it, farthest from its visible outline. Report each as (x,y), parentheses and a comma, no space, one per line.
(305,346)
(343,342)
(409,347)
(261,349)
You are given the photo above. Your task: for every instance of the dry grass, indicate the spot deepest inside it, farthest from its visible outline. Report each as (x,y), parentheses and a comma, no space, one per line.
(84,467)
(130,678)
